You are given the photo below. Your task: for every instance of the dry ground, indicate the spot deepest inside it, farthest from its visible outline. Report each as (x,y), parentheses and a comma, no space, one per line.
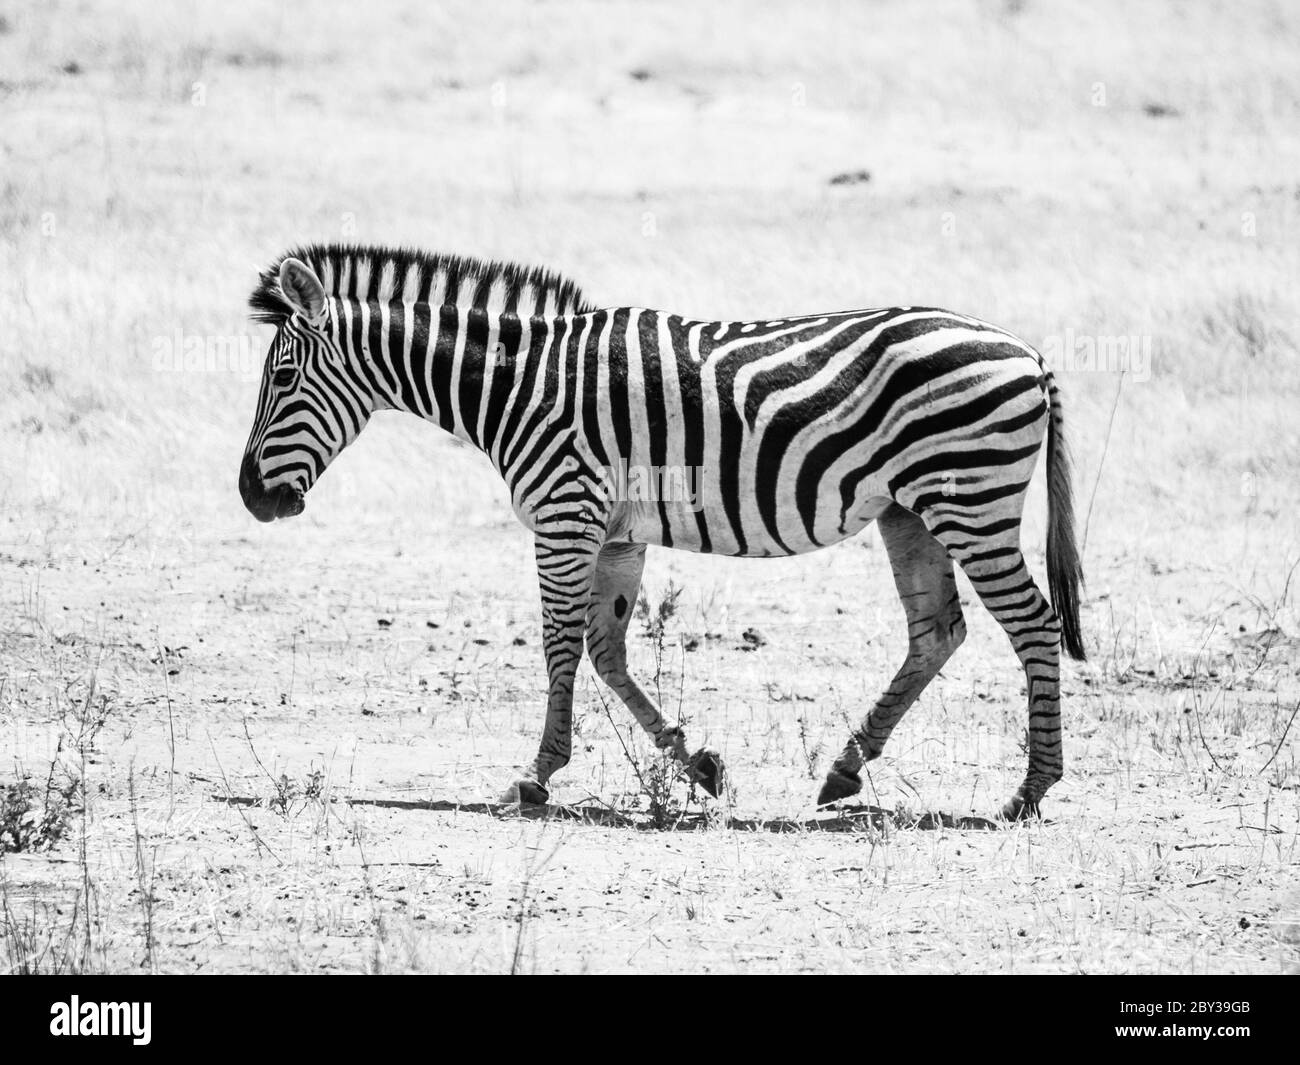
(277,745)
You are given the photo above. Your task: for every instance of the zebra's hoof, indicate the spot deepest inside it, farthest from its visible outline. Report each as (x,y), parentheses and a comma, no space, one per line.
(1018,808)
(526,793)
(705,769)
(839,785)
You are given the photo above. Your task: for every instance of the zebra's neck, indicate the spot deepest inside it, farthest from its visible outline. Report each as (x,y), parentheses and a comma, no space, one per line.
(455,366)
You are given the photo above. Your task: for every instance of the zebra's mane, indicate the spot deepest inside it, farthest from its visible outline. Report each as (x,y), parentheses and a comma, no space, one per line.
(402,275)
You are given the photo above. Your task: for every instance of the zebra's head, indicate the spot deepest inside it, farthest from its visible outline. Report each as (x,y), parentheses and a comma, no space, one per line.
(311,404)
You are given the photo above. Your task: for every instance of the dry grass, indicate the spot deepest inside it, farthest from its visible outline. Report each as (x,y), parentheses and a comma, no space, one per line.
(269,779)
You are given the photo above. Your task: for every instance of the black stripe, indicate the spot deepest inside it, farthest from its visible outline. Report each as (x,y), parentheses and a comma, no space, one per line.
(444,354)
(509,336)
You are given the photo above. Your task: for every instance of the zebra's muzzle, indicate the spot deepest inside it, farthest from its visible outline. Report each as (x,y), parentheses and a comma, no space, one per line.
(289,502)
(267,504)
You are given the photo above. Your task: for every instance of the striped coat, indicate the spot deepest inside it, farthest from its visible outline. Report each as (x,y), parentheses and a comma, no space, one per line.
(620,428)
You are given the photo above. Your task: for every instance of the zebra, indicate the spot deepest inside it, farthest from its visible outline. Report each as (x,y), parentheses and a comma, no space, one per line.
(802,431)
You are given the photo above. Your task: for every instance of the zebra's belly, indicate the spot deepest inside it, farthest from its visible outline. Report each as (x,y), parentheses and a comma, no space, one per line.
(718,529)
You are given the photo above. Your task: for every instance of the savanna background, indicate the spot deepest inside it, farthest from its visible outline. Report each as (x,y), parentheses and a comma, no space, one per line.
(234,747)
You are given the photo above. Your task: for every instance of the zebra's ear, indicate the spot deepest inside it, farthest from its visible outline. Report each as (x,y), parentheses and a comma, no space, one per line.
(302,288)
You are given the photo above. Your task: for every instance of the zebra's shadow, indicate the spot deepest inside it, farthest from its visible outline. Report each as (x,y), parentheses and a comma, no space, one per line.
(865,817)
(851,819)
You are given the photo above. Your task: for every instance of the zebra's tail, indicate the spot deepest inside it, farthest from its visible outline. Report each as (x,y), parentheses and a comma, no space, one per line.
(1064,567)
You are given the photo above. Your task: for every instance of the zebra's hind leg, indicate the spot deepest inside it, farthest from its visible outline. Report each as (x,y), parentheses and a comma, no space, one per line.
(613,598)
(1005,586)
(923,575)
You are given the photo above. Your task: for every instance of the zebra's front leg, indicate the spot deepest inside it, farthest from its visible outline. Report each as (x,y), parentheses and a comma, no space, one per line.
(566,561)
(613,596)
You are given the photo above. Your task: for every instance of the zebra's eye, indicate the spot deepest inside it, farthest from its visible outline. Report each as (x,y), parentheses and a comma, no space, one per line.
(284,377)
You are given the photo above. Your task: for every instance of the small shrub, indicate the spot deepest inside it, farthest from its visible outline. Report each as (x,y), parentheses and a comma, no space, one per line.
(35,818)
